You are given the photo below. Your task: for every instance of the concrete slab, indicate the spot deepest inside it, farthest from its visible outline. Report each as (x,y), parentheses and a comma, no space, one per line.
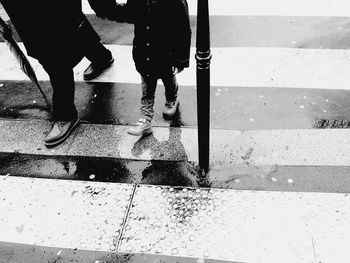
(241,226)
(113,141)
(61,213)
(280,147)
(229,148)
(27,137)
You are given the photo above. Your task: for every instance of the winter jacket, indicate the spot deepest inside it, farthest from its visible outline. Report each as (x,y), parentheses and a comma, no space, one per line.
(162,32)
(47,28)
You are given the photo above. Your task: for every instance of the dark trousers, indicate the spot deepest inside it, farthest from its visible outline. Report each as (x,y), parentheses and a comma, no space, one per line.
(60,70)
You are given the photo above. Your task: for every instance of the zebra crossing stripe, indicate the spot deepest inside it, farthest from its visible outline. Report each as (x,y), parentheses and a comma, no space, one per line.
(335,8)
(229,148)
(230,67)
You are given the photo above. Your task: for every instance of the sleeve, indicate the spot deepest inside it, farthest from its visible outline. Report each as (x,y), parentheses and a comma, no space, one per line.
(182,34)
(110,9)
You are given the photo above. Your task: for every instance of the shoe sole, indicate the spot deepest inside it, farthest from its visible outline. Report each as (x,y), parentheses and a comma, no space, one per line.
(168,116)
(55,143)
(107,66)
(145,132)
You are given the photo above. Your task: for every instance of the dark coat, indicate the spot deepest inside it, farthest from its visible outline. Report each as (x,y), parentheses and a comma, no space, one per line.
(162,31)
(47,28)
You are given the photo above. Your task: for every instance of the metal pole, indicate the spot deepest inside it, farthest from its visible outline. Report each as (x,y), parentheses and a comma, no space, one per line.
(203,57)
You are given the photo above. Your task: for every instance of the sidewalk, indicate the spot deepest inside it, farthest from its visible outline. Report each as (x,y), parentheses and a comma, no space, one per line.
(239,226)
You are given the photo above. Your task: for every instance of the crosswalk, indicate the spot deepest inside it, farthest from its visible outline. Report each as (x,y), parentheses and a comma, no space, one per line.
(277,190)
(266,67)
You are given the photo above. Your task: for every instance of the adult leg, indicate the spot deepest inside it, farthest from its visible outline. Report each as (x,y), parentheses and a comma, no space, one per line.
(65,117)
(62,82)
(101,58)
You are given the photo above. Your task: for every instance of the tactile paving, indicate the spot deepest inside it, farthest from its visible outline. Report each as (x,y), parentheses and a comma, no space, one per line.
(62,213)
(243,226)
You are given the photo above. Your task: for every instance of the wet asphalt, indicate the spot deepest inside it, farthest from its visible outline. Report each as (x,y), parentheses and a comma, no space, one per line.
(242,108)
(26,254)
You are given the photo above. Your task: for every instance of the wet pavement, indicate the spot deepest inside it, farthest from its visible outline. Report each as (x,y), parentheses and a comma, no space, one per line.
(252,108)
(99,169)
(331,179)
(39,254)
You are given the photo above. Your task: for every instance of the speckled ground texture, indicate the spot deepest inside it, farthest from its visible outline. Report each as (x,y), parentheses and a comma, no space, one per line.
(242,226)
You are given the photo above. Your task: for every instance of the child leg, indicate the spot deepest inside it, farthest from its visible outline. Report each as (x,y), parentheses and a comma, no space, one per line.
(144,126)
(171,90)
(148,85)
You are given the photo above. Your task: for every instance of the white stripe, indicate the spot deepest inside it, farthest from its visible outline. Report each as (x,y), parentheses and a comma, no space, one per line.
(229,148)
(244,67)
(336,8)
(239,226)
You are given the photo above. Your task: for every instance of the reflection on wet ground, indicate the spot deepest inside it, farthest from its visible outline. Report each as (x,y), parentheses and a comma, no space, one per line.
(171,148)
(97,103)
(99,169)
(177,173)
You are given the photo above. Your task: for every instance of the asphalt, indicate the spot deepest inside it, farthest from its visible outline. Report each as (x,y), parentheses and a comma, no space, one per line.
(238,108)
(11,252)
(249,31)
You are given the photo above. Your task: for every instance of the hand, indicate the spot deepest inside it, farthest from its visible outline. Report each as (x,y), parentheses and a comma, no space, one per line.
(103,8)
(5,28)
(176,70)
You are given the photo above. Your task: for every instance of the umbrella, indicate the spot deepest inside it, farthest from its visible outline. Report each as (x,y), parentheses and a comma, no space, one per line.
(6,33)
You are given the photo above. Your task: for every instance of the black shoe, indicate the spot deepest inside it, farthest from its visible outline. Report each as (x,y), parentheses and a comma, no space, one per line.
(96,69)
(60,130)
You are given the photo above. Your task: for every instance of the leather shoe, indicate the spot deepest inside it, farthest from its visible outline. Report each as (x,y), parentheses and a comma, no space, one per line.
(60,130)
(96,69)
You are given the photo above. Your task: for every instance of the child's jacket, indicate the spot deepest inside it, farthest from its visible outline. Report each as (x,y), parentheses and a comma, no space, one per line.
(162,33)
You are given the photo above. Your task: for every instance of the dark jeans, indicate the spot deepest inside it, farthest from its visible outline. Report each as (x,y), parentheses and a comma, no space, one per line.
(60,70)
(149,85)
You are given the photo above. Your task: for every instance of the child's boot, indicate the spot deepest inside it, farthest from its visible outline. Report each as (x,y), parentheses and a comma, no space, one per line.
(170,108)
(142,127)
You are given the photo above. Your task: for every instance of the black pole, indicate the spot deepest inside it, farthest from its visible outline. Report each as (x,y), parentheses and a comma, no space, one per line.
(203,57)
